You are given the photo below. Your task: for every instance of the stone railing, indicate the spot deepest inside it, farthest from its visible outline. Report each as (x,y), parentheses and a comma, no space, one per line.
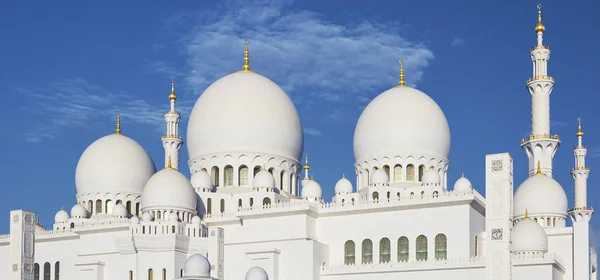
(399,266)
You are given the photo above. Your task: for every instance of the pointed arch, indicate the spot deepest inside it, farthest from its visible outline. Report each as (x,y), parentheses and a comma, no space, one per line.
(410,173)
(243,176)
(441,252)
(349,252)
(228,175)
(398,173)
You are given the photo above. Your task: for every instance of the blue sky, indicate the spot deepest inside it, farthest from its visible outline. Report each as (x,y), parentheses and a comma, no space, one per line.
(67,66)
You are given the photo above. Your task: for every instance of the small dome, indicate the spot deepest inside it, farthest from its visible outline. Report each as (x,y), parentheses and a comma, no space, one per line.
(78,211)
(529,236)
(146,217)
(257,273)
(61,217)
(463,184)
(542,195)
(120,211)
(196,265)
(169,189)
(113,163)
(264,179)
(431,177)
(134,220)
(196,220)
(343,186)
(312,189)
(379,177)
(173,217)
(201,180)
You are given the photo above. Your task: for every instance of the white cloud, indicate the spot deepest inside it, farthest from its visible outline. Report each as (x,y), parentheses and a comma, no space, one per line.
(457,42)
(312,131)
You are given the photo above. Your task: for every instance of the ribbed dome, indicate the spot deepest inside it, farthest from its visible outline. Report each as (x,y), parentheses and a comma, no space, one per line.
(201,180)
(542,195)
(169,189)
(402,120)
(379,177)
(61,216)
(264,179)
(463,184)
(78,211)
(312,189)
(197,265)
(431,177)
(257,273)
(343,186)
(245,112)
(529,236)
(113,163)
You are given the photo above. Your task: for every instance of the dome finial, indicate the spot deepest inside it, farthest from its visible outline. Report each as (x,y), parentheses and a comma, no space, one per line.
(539,169)
(539,27)
(169,164)
(172,96)
(579,130)
(118,130)
(527,214)
(246,67)
(463,175)
(306,166)
(37,220)
(401,83)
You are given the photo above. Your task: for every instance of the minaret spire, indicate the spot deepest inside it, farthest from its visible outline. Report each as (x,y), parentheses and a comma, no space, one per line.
(171,140)
(306,169)
(401,82)
(118,129)
(540,86)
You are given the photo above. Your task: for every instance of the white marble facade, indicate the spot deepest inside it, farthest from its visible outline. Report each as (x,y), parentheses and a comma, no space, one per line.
(251,210)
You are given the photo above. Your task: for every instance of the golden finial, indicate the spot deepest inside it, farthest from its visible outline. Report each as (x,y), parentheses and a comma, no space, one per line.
(539,169)
(539,27)
(579,130)
(401,83)
(172,96)
(527,214)
(118,130)
(169,163)
(37,220)
(463,175)
(306,166)
(246,67)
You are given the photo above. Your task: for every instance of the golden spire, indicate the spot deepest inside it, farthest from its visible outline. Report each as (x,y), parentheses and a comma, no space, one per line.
(401,83)
(169,165)
(172,96)
(118,130)
(37,220)
(579,130)
(527,214)
(539,27)
(539,169)
(306,166)
(246,67)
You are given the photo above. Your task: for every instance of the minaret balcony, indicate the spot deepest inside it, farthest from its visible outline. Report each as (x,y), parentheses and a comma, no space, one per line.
(172,137)
(580,168)
(581,209)
(539,137)
(537,78)
(540,47)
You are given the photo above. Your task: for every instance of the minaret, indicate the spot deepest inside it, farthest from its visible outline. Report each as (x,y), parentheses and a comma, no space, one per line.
(172,141)
(540,145)
(581,214)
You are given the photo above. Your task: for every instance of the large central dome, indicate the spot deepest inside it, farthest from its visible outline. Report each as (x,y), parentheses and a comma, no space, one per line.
(245,112)
(402,120)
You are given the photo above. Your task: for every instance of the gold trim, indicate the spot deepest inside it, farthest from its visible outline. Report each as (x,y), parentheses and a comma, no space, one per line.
(118,129)
(579,130)
(537,78)
(539,169)
(172,96)
(539,27)
(540,136)
(246,67)
(401,82)
(172,137)
(169,165)
(527,214)
(306,166)
(581,168)
(581,208)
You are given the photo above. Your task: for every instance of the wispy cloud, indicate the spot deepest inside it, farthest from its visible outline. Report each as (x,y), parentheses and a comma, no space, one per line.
(457,42)
(312,131)
(308,56)
(76,103)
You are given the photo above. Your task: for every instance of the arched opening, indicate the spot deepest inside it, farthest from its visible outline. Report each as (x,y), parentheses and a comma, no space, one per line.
(266,201)
(228,175)
(36,270)
(243,176)
(367,251)
(386,168)
(410,173)
(398,173)
(256,170)
(130,275)
(440,247)
(367,177)
(349,252)
(119,202)
(240,203)
(388,195)
(57,271)
(384,250)
(222,206)
(128,206)
(91,206)
(108,207)
(412,195)
(375,196)
(251,201)
(403,249)
(137,209)
(421,172)
(47,270)
(421,248)
(214,174)
(173,228)
(72,225)
(150,274)
(98,206)
(164,274)
(476,247)
(271,170)
(436,194)
(281,174)
(422,194)
(209,206)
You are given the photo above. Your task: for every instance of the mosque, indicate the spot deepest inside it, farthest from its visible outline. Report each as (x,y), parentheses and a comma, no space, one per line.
(251,211)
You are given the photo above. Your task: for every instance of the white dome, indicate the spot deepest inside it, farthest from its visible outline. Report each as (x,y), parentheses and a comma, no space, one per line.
(431,177)
(169,189)
(146,217)
(463,184)
(113,163)
(264,179)
(312,189)
(196,220)
(135,220)
(256,273)
(61,216)
(343,186)
(245,112)
(120,211)
(173,217)
(541,195)
(78,211)
(197,265)
(402,120)
(379,177)
(201,180)
(529,236)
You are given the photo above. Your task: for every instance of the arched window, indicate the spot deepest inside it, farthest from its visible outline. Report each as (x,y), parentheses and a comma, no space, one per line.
(410,173)
(209,206)
(548,222)
(90,206)
(398,173)
(384,250)
(251,201)
(215,176)
(256,170)
(158,215)
(164,274)
(291,182)
(388,196)
(36,270)
(128,206)
(222,206)
(57,271)
(349,252)
(367,178)
(367,251)
(181,273)
(281,180)
(375,196)
(422,194)
(266,201)
(150,274)
(243,179)
(130,275)
(403,249)
(436,194)
(421,248)
(271,170)
(137,209)
(119,202)
(421,172)
(228,175)
(240,203)
(47,271)
(108,207)
(386,168)
(412,195)
(98,206)
(441,247)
